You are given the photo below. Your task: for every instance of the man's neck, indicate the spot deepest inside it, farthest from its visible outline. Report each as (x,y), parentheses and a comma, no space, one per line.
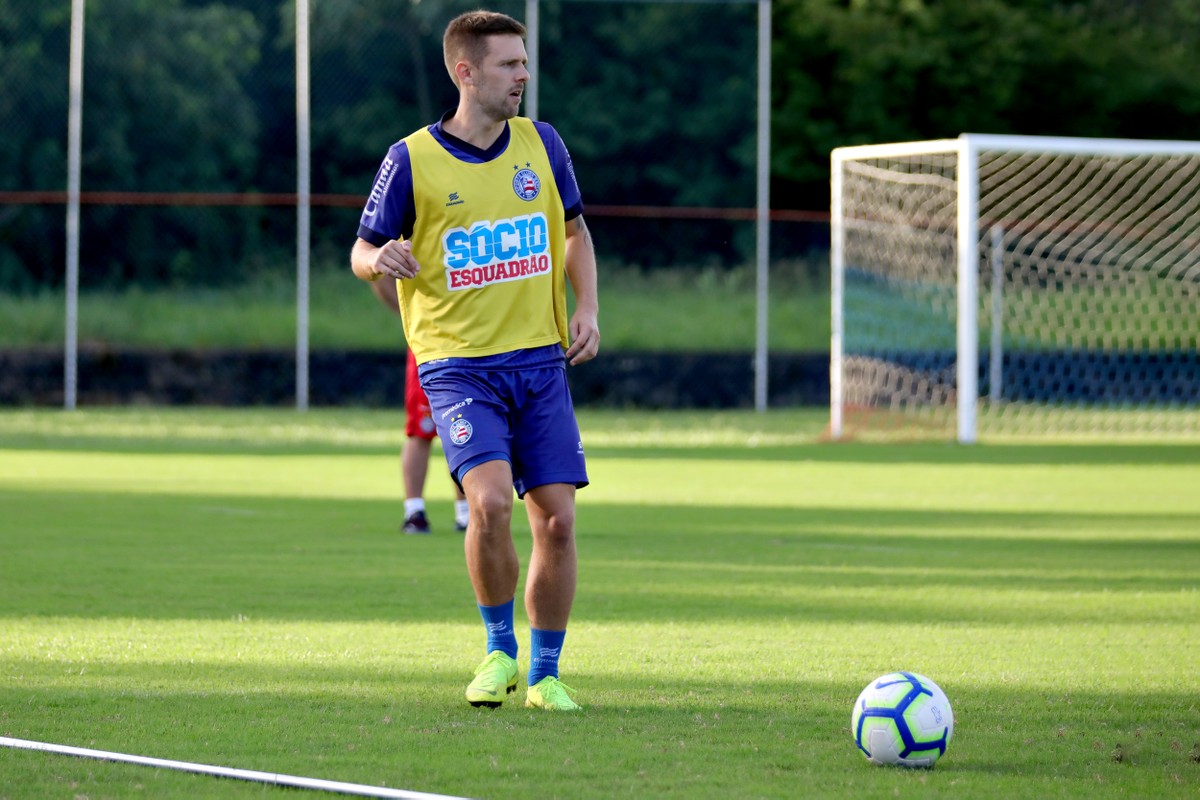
(474,127)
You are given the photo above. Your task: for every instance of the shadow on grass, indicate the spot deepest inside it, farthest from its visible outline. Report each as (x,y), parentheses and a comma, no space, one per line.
(162,556)
(748,436)
(992,454)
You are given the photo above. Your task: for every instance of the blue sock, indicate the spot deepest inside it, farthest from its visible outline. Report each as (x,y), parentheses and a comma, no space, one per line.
(499,623)
(544,647)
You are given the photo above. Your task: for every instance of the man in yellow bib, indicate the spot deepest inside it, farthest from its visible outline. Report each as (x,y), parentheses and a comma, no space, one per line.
(478,218)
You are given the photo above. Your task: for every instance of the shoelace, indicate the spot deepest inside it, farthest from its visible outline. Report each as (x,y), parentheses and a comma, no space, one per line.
(489,661)
(556,686)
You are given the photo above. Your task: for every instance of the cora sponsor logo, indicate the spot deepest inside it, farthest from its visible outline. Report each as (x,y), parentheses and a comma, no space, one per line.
(386,173)
(497,251)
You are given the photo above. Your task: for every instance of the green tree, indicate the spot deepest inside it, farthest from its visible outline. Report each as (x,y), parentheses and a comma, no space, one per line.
(33,129)
(896,70)
(657,103)
(167,109)
(655,100)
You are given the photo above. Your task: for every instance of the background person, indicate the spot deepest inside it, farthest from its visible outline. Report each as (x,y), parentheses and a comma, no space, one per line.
(419,432)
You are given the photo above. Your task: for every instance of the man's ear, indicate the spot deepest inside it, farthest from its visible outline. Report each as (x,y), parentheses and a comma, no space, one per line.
(465,73)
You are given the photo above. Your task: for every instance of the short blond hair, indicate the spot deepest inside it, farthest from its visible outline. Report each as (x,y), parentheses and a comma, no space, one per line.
(467,34)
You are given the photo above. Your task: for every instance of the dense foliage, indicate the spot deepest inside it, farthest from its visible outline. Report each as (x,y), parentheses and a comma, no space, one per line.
(656,101)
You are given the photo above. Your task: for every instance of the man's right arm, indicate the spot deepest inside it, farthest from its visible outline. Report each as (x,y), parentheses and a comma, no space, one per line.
(389,211)
(362,261)
(385,290)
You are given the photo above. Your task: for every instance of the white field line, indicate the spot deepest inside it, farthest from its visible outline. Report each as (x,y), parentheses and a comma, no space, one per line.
(292,781)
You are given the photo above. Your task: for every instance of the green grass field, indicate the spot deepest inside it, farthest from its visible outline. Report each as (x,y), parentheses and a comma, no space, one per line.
(228,587)
(666,310)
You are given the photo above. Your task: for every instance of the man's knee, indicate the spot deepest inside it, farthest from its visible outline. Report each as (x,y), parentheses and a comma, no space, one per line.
(554,524)
(491,506)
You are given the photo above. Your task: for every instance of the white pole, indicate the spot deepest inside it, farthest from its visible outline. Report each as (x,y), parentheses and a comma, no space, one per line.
(532,35)
(303,203)
(996,355)
(74,167)
(837,292)
(968,288)
(763,204)
(275,779)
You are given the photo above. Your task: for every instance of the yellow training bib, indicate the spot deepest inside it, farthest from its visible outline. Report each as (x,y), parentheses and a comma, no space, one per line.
(490,239)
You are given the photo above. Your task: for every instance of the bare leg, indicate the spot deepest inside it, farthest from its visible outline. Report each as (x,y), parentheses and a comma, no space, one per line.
(550,584)
(414,463)
(491,556)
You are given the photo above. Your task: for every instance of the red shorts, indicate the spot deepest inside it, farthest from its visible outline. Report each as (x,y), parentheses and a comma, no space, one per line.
(419,420)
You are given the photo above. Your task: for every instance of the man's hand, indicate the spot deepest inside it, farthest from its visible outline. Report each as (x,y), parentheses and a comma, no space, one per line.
(585,338)
(395,260)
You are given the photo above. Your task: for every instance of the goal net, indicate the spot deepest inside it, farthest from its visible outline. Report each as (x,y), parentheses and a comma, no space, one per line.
(1016,285)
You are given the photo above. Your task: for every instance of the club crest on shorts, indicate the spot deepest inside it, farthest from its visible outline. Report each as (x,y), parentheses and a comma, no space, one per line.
(460,431)
(526,183)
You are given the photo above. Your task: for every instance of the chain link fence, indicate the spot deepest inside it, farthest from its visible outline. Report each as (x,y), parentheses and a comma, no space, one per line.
(188,222)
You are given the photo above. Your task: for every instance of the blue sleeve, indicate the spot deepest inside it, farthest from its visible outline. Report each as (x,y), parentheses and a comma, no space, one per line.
(564,171)
(390,211)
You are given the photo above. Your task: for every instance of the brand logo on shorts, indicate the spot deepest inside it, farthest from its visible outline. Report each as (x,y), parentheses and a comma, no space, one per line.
(457,405)
(460,431)
(427,425)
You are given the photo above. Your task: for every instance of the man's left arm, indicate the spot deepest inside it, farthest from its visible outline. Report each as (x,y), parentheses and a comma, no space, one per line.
(581,271)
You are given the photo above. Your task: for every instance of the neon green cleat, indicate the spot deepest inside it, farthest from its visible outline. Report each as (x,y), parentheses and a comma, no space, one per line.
(495,677)
(551,694)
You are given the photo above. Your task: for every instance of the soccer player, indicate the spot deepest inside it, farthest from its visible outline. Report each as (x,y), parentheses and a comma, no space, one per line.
(419,431)
(479,220)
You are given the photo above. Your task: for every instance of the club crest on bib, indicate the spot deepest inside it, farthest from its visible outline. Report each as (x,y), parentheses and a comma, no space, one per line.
(526,184)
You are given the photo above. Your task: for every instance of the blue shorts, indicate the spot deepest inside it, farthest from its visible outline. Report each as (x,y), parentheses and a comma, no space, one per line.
(499,412)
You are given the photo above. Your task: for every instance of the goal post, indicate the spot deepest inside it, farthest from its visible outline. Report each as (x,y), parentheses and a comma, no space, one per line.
(1074,263)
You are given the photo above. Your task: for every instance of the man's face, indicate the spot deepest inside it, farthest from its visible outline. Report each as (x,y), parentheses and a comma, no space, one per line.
(500,79)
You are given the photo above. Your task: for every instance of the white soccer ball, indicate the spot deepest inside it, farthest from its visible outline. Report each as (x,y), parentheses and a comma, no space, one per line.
(902,719)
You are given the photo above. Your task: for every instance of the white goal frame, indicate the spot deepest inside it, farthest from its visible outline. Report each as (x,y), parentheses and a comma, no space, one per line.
(966,150)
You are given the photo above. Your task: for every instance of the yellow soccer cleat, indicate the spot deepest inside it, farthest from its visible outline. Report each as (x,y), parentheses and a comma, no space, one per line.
(551,694)
(495,678)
